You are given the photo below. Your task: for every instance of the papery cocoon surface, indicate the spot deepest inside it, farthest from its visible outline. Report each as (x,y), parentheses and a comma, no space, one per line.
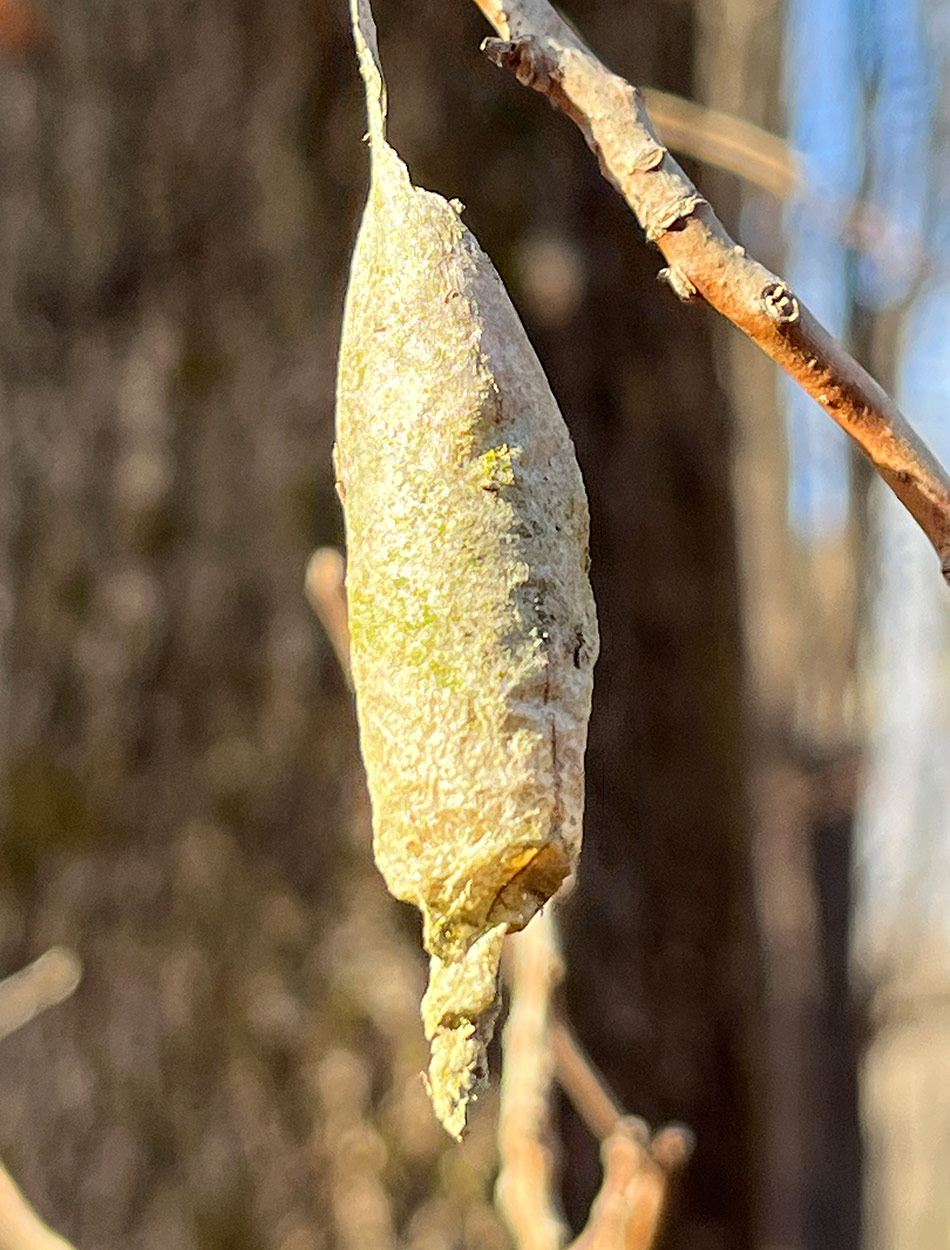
(472,623)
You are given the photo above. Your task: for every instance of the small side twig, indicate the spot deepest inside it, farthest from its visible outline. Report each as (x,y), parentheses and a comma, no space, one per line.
(728,142)
(768,161)
(47,981)
(704,262)
(325,586)
(583,1084)
(639,1169)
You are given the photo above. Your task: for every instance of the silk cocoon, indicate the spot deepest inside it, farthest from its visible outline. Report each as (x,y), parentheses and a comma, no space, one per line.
(473,631)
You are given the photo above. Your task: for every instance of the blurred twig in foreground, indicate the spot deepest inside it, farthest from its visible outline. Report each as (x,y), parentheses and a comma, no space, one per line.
(44,983)
(638,1169)
(20,1227)
(324,583)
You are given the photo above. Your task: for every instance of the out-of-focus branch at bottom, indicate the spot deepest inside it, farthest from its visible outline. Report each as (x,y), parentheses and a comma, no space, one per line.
(634,1195)
(526,1182)
(20,1227)
(638,1170)
(47,981)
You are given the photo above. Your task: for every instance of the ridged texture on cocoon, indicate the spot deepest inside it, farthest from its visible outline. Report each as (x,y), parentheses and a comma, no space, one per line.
(472,622)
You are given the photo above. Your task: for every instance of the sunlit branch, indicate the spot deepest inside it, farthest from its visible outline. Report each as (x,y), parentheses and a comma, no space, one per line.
(703,262)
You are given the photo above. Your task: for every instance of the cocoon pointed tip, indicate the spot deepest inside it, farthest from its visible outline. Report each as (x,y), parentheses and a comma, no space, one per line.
(458,1014)
(472,625)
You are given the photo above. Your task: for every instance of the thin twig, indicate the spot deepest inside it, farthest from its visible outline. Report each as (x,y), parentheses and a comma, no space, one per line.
(47,981)
(703,261)
(583,1084)
(44,983)
(638,1169)
(21,27)
(525,1187)
(768,161)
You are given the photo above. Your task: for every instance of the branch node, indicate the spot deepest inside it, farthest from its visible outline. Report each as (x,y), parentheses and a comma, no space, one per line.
(524,58)
(780,304)
(680,284)
(672,1147)
(669,216)
(650,156)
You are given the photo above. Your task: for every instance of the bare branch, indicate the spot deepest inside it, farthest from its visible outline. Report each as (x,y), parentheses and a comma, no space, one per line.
(768,161)
(634,1195)
(702,259)
(47,981)
(525,1187)
(44,983)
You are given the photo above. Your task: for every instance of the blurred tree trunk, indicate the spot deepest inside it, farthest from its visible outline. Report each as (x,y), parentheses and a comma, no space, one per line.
(800,609)
(181,799)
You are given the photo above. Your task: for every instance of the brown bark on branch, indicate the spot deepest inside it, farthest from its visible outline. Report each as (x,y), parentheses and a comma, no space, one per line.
(704,262)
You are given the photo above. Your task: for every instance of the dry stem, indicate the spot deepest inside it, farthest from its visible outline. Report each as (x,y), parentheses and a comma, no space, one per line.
(634,1195)
(703,260)
(525,1188)
(583,1084)
(638,1170)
